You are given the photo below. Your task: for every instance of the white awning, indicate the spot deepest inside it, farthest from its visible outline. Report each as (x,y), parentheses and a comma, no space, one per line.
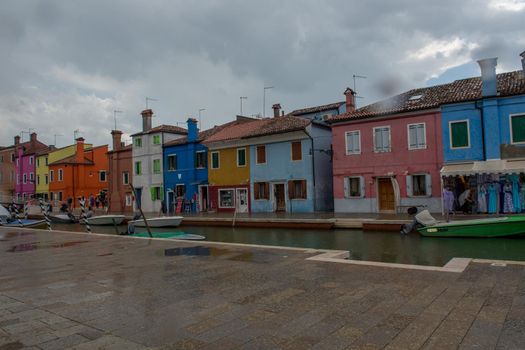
(497,166)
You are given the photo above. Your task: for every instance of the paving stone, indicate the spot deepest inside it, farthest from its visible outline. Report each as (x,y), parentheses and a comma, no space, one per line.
(63,342)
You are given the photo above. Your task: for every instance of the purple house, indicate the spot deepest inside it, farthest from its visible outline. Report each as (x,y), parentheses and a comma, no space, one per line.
(25,167)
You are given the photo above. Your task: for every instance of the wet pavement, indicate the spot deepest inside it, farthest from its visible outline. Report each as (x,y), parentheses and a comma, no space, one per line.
(69,290)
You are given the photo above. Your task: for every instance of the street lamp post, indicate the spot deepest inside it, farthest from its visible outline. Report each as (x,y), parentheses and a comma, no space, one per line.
(242,98)
(264,99)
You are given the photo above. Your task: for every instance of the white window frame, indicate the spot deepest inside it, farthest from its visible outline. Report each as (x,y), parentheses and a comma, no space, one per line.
(100,172)
(218,159)
(168,159)
(219,197)
(257,155)
(24,178)
(60,175)
(31,177)
(428,185)
(245,157)
(510,128)
(424,136)
(129,200)
(199,152)
(389,138)
(31,160)
(450,132)
(346,183)
(346,141)
(51,176)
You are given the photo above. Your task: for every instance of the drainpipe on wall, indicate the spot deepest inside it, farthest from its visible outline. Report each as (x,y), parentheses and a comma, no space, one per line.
(313,167)
(480,109)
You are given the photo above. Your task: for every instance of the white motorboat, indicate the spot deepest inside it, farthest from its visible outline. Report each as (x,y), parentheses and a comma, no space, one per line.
(106,220)
(62,218)
(162,221)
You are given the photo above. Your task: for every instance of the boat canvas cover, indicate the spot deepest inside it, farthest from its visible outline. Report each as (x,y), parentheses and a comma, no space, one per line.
(425,219)
(4,212)
(496,166)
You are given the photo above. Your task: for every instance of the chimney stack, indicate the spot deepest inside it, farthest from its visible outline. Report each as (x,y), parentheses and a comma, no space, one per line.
(117,137)
(276,110)
(523,62)
(80,150)
(147,114)
(193,130)
(488,76)
(350,100)
(17,140)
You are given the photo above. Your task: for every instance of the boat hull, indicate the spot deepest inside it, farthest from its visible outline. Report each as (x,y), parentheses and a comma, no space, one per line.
(61,219)
(171,235)
(494,227)
(106,220)
(167,221)
(27,223)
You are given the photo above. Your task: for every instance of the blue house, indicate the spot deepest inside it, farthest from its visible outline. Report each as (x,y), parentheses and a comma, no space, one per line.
(290,166)
(483,123)
(324,112)
(186,170)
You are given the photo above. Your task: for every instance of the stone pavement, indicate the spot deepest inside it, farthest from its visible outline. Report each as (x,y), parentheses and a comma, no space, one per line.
(80,291)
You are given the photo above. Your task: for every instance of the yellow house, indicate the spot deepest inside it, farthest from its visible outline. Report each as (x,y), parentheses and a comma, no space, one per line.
(42,168)
(229,166)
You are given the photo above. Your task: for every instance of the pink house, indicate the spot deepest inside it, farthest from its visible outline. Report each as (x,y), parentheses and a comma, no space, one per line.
(25,167)
(387,155)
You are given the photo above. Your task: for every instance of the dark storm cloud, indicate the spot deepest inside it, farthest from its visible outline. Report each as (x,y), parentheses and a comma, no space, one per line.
(71,63)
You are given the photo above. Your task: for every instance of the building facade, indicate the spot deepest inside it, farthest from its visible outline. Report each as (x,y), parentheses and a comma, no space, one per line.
(387,156)
(25,167)
(80,175)
(8,171)
(290,166)
(120,175)
(483,126)
(148,163)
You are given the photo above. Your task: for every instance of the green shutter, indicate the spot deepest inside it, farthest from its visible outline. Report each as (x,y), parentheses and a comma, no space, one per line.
(161,193)
(518,128)
(459,134)
(152,191)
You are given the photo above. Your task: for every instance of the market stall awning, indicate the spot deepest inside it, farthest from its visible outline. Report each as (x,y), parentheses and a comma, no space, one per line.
(497,166)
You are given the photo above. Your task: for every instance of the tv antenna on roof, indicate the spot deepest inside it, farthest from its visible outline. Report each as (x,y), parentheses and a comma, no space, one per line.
(355,88)
(115,116)
(150,99)
(56,138)
(76,134)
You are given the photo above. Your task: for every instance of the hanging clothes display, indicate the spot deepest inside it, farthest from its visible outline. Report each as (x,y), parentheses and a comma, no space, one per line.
(514,178)
(522,197)
(508,204)
(482,199)
(493,198)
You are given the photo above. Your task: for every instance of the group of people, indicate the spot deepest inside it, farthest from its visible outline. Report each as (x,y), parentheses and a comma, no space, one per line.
(485,194)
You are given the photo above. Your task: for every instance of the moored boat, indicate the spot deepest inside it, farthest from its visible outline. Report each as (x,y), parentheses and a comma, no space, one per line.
(62,219)
(489,227)
(6,220)
(106,220)
(162,221)
(172,235)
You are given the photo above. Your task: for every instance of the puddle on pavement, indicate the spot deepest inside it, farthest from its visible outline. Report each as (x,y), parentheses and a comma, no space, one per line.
(26,247)
(11,235)
(225,254)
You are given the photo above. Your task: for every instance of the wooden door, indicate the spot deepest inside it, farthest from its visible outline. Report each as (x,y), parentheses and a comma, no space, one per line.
(386,195)
(280,204)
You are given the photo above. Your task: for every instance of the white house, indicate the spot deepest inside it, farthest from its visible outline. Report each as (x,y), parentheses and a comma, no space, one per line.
(147,161)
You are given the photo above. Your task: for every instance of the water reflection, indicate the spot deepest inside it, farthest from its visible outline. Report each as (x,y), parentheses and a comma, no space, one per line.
(362,245)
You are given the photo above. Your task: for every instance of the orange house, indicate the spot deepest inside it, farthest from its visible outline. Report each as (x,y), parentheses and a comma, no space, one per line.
(80,175)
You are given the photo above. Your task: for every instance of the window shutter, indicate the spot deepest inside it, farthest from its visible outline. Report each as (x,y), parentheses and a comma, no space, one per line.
(195,160)
(428,183)
(357,142)
(152,192)
(303,189)
(346,187)
(291,192)
(412,136)
(518,128)
(266,190)
(421,137)
(256,190)
(161,190)
(409,185)
(363,185)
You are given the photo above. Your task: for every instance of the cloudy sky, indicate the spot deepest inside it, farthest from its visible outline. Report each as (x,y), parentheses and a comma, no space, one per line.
(67,65)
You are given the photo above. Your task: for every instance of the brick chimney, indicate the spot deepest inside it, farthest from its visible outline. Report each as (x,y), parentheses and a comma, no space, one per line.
(80,150)
(17,140)
(276,110)
(117,139)
(488,76)
(350,99)
(147,114)
(193,131)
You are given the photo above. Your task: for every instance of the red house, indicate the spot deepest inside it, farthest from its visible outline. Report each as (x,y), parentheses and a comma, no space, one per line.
(387,155)
(120,160)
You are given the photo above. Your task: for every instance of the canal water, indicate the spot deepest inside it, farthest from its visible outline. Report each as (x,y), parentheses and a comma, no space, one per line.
(389,247)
